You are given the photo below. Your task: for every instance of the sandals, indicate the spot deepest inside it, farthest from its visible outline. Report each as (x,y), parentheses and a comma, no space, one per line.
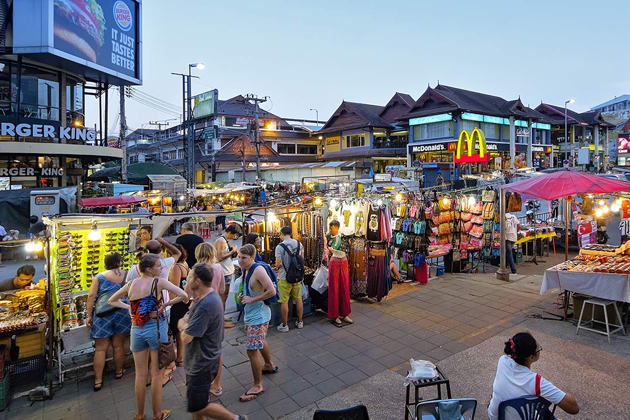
(170,378)
(119,375)
(179,363)
(248,396)
(163,415)
(97,386)
(137,417)
(217,393)
(274,370)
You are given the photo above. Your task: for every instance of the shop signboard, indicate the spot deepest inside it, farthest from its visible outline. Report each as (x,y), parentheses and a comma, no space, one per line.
(92,37)
(386,177)
(205,103)
(466,143)
(8,129)
(623,145)
(423,148)
(522,132)
(5,183)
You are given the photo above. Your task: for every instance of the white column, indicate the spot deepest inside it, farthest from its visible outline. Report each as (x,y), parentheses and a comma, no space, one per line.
(530,142)
(512,142)
(543,135)
(597,156)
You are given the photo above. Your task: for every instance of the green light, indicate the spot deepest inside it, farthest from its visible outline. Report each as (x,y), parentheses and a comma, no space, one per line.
(430,119)
(493,120)
(542,126)
(472,117)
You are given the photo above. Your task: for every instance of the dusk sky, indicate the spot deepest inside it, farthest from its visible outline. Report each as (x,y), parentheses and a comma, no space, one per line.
(315,54)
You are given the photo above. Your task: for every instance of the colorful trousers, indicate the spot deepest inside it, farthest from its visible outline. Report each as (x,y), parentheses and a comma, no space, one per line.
(338,288)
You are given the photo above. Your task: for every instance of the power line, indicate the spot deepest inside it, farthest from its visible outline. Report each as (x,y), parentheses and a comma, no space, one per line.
(158,101)
(155,107)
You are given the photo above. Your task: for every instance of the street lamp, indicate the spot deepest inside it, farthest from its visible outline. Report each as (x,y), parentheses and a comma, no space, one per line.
(316,116)
(566,137)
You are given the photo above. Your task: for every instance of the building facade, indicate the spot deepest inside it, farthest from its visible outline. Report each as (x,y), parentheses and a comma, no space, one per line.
(371,135)
(515,135)
(44,83)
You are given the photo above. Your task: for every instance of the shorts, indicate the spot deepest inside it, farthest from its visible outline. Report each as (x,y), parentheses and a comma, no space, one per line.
(198,390)
(228,278)
(146,336)
(289,290)
(256,335)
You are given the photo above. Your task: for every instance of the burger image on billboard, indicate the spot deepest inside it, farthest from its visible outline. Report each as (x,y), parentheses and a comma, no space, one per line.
(79,27)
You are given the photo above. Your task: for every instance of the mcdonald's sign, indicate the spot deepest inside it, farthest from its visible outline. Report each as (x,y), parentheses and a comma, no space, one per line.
(469,155)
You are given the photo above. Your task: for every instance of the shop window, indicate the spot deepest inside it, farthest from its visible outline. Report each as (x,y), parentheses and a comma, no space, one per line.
(470,125)
(286,149)
(39,94)
(355,141)
(432,131)
(74,101)
(8,88)
(490,131)
(307,149)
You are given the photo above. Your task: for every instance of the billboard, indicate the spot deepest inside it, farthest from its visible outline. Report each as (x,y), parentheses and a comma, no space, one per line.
(205,103)
(95,38)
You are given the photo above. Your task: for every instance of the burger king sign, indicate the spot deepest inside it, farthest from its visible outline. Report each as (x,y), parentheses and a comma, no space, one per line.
(122,15)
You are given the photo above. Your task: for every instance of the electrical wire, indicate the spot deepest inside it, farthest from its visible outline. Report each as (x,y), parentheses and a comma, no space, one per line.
(155,107)
(158,101)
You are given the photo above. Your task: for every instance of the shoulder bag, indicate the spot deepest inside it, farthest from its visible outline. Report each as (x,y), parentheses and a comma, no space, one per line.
(101,307)
(166,351)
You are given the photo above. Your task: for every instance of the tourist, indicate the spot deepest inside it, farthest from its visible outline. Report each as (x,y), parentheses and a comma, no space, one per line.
(394,271)
(257,317)
(202,332)
(154,246)
(207,254)
(107,322)
(254,239)
(177,276)
(512,227)
(439,179)
(220,219)
(224,256)
(283,253)
(23,278)
(147,316)
(3,233)
(189,240)
(37,229)
(515,379)
(145,233)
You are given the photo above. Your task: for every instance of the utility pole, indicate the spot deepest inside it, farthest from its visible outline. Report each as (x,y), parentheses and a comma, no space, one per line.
(160,124)
(123,134)
(187,128)
(257,100)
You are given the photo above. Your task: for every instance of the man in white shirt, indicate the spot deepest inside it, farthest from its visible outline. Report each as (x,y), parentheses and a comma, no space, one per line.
(511,229)
(154,246)
(225,253)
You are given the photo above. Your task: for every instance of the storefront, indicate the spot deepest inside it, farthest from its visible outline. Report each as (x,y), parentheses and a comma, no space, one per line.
(623,149)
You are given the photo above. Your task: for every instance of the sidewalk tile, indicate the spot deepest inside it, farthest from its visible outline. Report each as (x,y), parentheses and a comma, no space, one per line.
(318,376)
(331,386)
(352,376)
(306,397)
(281,408)
(339,367)
(295,385)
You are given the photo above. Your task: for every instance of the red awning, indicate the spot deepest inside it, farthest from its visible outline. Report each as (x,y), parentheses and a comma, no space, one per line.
(122,200)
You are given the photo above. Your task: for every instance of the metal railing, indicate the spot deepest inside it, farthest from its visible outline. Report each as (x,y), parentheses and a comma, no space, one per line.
(27,110)
(390,144)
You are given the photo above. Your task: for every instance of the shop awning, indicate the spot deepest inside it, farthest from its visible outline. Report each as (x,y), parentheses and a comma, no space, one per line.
(121,200)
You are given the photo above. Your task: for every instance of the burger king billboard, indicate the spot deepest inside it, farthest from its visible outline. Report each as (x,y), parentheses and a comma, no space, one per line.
(102,36)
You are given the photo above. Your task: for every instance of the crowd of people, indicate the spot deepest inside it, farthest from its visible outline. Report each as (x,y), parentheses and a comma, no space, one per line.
(192,278)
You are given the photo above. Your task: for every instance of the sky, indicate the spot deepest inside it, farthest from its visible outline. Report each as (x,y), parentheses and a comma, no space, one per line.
(316,54)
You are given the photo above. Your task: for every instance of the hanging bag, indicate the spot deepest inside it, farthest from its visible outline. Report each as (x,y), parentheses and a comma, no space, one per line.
(274,280)
(166,351)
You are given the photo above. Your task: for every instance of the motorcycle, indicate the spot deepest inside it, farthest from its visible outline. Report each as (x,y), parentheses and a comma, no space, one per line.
(602,235)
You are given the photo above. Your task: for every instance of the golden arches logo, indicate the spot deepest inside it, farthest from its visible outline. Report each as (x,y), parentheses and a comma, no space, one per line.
(469,142)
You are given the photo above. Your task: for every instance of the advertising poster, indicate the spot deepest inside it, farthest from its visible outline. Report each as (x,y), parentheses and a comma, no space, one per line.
(103,32)
(205,103)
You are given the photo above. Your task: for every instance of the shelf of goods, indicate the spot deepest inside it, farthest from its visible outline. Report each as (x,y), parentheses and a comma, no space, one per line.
(75,260)
(23,316)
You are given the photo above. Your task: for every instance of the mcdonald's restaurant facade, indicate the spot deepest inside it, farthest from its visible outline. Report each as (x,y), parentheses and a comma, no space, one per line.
(509,130)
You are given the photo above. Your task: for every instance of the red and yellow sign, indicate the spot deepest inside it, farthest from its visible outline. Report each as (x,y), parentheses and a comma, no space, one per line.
(468,141)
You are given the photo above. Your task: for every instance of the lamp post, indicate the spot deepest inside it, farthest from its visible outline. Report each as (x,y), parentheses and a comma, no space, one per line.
(316,116)
(566,138)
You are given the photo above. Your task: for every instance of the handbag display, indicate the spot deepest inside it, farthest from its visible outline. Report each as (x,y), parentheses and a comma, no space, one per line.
(478,220)
(166,351)
(487,196)
(456,255)
(101,307)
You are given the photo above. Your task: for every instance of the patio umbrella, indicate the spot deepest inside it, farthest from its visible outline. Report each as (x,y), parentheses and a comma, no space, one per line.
(564,184)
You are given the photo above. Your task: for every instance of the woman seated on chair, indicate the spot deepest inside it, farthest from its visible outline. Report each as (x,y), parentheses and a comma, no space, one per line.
(514,378)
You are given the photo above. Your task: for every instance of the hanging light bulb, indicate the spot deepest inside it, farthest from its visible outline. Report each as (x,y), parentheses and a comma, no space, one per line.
(38,246)
(445,201)
(182,198)
(615,207)
(271,217)
(618,201)
(95,234)
(601,202)
(333,202)
(398,197)
(379,202)
(29,247)
(605,209)
(318,201)
(598,213)
(471,200)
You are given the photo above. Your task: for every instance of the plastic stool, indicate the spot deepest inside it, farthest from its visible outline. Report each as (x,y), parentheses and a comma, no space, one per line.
(604,304)
(206,233)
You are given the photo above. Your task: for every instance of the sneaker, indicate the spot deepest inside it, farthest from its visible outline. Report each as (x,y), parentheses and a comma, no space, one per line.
(283,328)
(299,324)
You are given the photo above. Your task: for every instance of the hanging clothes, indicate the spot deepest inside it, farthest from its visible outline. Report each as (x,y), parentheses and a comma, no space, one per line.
(374,223)
(358,266)
(347,219)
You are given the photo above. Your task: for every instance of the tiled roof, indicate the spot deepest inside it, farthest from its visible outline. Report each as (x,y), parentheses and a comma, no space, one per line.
(370,113)
(556,114)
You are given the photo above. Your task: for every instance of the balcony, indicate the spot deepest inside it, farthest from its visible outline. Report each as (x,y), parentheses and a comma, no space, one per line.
(27,110)
(387,144)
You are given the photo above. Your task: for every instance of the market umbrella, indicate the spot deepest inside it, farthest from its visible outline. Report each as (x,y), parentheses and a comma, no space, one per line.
(566,183)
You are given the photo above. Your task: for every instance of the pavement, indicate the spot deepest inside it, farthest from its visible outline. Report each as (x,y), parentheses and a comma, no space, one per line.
(457,321)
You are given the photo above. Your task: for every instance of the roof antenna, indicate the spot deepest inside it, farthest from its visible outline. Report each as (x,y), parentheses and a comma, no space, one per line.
(438,81)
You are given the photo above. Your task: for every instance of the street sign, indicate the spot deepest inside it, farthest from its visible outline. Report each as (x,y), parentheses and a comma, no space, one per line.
(209,134)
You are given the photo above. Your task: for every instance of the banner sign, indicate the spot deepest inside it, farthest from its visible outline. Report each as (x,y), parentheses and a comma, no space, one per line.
(47,131)
(205,103)
(623,145)
(467,141)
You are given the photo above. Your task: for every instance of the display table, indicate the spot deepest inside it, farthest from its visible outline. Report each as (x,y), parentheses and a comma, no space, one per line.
(602,285)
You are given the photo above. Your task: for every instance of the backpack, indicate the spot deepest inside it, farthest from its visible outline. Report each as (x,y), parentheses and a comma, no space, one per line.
(295,270)
(272,275)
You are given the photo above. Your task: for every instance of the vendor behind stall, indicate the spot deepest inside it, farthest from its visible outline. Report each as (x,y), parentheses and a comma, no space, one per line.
(22,279)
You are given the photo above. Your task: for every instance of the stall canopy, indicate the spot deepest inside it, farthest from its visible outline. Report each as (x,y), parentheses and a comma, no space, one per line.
(137,173)
(564,183)
(123,200)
